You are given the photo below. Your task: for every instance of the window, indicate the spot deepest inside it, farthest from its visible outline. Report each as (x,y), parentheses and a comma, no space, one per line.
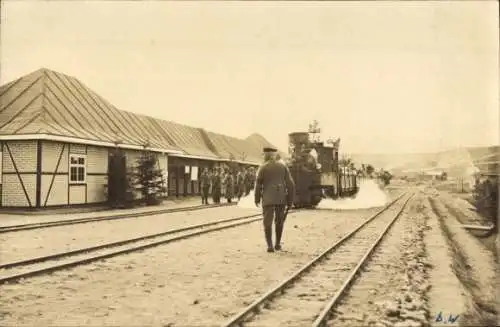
(77,171)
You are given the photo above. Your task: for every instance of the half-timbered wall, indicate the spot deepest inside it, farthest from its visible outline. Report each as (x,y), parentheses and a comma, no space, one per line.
(97,174)
(38,174)
(19,173)
(57,186)
(19,165)
(54,188)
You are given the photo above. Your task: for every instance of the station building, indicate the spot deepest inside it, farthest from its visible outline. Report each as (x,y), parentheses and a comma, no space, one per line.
(57,137)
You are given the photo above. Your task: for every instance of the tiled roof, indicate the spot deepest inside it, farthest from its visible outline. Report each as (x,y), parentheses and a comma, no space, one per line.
(51,103)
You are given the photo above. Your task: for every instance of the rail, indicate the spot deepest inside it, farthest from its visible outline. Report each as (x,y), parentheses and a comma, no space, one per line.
(254,306)
(56,223)
(92,258)
(323,316)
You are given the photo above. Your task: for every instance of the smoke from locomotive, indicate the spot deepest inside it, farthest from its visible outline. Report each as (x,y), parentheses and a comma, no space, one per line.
(370,195)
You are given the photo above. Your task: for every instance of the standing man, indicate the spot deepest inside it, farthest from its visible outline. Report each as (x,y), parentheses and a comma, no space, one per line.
(250,180)
(216,186)
(246,181)
(274,185)
(205,186)
(240,184)
(229,186)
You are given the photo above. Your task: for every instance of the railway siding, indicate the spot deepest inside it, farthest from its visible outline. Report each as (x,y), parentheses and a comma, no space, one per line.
(10,219)
(70,237)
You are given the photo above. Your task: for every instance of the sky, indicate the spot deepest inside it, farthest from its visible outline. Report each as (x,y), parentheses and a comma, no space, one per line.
(385,77)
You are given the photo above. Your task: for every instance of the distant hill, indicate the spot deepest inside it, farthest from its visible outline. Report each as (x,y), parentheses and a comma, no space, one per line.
(485,158)
(394,161)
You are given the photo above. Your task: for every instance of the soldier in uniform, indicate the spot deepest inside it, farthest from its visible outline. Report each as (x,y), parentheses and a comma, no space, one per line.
(249,180)
(229,186)
(240,184)
(246,181)
(216,186)
(205,186)
(274,185)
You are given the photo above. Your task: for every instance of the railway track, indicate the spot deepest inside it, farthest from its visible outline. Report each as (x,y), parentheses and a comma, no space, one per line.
(16,271)
(48,224)
(309,295)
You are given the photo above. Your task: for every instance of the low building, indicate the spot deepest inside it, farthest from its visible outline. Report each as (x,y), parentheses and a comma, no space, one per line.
(57,136)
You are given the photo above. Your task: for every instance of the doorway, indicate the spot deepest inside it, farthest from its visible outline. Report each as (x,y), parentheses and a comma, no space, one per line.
(117,178)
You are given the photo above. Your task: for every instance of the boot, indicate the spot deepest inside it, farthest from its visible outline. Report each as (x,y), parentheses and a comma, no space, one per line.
(279,233)
(269,238)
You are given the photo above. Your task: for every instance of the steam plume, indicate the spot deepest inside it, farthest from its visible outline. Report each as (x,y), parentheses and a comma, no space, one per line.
(370,195)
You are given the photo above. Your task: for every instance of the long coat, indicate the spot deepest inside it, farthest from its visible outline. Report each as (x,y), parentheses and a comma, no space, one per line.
(205,180)
(274,184)
(240,183)
(216,182)
(229,186)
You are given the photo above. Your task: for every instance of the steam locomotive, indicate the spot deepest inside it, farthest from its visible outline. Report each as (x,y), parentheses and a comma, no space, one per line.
(314,166)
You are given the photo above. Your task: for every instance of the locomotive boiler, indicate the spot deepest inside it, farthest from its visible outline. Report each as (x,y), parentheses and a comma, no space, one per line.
(314,166)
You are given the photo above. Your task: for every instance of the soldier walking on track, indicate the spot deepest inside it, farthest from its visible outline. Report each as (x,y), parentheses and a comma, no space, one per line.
(274,185)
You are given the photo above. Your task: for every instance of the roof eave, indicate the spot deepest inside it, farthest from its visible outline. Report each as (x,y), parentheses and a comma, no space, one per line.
(67,139)
(190,156)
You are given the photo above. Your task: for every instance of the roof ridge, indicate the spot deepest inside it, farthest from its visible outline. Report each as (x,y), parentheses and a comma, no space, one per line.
(57,90)
(43,109)
(211,146)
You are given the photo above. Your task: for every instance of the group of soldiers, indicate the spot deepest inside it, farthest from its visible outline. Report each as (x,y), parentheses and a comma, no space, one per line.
(222,182)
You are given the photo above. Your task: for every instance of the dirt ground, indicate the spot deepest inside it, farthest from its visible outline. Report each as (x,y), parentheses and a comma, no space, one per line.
(473,263)
(17,217)
(13,246)
(429,272)
(200,281)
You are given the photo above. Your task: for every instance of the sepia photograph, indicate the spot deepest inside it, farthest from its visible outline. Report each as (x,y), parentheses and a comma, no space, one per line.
(253,163)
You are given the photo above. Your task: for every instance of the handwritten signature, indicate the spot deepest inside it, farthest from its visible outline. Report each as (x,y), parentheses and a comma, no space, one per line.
(451,318)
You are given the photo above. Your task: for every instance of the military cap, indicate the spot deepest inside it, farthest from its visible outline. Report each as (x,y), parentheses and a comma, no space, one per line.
(269,149)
